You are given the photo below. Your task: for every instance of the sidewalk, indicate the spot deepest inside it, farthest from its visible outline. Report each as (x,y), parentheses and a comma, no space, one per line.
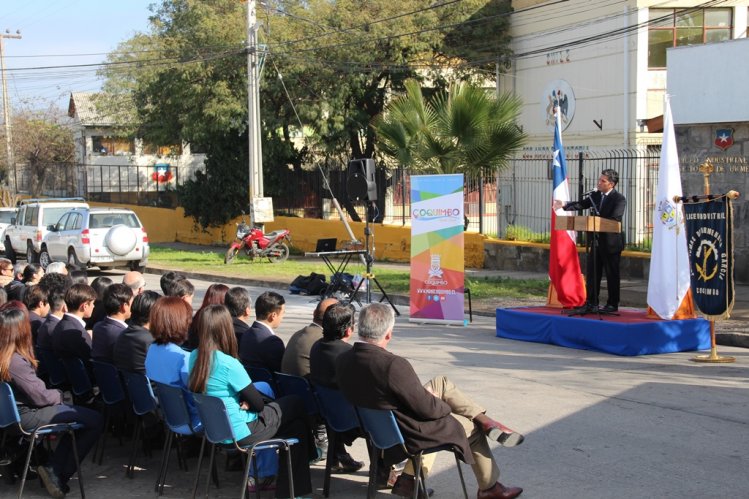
(734,331)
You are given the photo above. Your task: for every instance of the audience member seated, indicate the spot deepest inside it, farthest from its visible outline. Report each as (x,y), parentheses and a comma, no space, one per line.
(6,272)
(338,327)
(166,361)
(434,414)
(78,276)
(39,406)
(16,287)
(215,371)
(100,285)
(130,349)
(118,300)
(56,286)
(214,295)
(237,300)
(167,282)
(296,357)
(135,281)
(260,347)
(36,302)
(57,268)
(70,338)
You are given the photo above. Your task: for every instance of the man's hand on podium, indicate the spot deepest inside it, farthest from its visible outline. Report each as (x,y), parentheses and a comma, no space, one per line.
(557,204)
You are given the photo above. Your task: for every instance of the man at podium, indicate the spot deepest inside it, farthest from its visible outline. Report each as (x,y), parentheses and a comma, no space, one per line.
(606,202)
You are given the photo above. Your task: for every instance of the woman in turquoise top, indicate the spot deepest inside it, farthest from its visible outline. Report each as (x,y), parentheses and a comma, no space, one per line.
(215,371)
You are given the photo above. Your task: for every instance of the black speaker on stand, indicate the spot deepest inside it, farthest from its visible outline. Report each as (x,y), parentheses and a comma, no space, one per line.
(362,186)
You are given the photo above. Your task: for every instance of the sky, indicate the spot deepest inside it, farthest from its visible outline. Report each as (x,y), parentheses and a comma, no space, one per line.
(60,33)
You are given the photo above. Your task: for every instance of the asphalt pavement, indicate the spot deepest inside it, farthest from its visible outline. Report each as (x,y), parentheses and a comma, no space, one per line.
(597,426)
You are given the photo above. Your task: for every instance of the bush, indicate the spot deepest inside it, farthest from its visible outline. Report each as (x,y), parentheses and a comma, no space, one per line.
(520,233)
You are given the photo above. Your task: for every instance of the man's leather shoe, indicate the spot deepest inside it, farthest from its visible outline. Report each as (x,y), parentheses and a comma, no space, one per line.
(346,464)
(610,308)
(502,434)
(51,482)
(404,487)
(499,491)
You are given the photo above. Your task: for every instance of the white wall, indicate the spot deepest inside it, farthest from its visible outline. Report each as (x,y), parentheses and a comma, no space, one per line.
(708,83)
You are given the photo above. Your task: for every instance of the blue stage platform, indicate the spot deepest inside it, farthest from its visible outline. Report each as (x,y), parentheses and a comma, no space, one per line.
(631,333)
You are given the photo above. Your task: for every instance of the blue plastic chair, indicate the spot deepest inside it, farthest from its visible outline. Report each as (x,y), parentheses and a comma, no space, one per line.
(112,394)
(288,384)
(53,366)
(177,418)
(218,430)
(262,374)
(384,433)
(340,416)
(9,417)
(80,380)
(143,400)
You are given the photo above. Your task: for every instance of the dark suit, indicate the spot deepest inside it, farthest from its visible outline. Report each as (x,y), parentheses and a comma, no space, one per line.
(240,327)
(322,361)
(44,335)
(70,339)
(372,377)
(296,357)
(105,334)
(129,353)
(36,322)
(261,348)
(610,245)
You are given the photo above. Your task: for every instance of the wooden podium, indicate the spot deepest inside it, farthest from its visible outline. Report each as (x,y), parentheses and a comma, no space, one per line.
(587,224)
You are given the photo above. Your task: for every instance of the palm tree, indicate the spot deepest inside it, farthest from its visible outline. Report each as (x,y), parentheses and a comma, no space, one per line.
(466,129)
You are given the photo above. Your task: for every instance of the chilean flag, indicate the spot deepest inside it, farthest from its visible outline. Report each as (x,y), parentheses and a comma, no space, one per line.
(564,265)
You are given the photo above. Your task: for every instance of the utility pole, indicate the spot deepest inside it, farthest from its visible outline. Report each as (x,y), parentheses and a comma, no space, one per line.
(253,106)
(6,103)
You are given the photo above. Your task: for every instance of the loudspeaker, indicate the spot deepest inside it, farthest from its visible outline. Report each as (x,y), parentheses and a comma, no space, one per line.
(361,183)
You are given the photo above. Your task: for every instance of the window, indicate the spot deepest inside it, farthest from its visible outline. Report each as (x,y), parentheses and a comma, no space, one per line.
(107,220)
(156,150)
(74,222)
(61,223)
(5,216)
(677,27)
(32,215)
(111,146)
(52,215)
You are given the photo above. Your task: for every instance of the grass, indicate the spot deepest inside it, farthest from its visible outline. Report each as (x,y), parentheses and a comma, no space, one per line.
(395,279)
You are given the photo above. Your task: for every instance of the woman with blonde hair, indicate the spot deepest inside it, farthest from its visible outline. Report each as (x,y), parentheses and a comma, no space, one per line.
(215,370)
(38,405)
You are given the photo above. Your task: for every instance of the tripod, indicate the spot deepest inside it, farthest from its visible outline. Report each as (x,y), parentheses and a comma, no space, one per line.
(592,255)
(369,277)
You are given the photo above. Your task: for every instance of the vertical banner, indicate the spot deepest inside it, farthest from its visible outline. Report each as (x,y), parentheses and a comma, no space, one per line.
(437,260)
(710,245)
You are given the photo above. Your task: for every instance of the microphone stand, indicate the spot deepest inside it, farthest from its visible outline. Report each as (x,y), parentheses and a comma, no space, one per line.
(593,255)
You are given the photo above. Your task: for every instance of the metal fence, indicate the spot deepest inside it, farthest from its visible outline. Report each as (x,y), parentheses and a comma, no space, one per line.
(516,200)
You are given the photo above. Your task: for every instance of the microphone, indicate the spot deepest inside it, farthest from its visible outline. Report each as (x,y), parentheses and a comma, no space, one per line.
(590,192)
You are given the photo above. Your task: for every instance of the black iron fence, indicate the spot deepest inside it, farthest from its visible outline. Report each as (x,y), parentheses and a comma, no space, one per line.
(512,203)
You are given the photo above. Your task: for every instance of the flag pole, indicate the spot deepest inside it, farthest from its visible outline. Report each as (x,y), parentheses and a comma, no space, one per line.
(713,358)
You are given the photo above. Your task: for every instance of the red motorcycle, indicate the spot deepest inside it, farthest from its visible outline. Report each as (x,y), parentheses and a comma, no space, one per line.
(255,243)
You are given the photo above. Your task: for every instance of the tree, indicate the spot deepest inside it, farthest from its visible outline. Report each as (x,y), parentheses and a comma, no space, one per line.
(464,129)
(44,144)
(339,61)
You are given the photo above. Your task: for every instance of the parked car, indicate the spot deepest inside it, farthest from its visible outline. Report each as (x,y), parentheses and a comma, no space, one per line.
(97,237)
(25,233)
(6,215)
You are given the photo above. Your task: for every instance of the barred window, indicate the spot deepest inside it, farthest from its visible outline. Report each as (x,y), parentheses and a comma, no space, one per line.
(677,27)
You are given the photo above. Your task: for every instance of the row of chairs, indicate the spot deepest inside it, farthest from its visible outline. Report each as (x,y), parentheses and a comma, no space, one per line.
(341,416)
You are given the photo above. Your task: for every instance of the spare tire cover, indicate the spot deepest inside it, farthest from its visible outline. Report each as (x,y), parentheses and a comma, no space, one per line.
(120,240)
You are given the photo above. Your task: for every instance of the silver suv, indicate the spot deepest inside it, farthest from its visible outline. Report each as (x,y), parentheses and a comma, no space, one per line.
(25,233)
(97,237)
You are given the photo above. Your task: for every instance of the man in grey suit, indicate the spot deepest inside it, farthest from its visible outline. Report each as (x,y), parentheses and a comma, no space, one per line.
(429,415)
(296,357)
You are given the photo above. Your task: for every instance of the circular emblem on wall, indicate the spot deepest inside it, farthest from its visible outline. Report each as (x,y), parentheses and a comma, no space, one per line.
(558,93)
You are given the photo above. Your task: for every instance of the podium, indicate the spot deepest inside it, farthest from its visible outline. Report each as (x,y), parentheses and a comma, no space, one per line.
(587,224)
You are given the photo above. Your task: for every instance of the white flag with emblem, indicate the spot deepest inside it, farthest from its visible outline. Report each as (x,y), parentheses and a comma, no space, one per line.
(669,262)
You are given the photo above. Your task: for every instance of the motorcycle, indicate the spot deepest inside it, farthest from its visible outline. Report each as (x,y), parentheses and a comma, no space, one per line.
(256,243)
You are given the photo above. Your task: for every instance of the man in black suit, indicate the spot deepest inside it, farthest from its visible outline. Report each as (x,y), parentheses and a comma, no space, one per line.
(430,415)
(260,347)
(605,202)
(56,286)
(296,358)
(237,300)
(70,338)
(118,298)
(36,301)
(131,347)
(337,325)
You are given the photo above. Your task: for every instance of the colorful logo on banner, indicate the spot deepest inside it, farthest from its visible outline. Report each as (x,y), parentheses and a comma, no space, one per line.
(437,261)
(710,245)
